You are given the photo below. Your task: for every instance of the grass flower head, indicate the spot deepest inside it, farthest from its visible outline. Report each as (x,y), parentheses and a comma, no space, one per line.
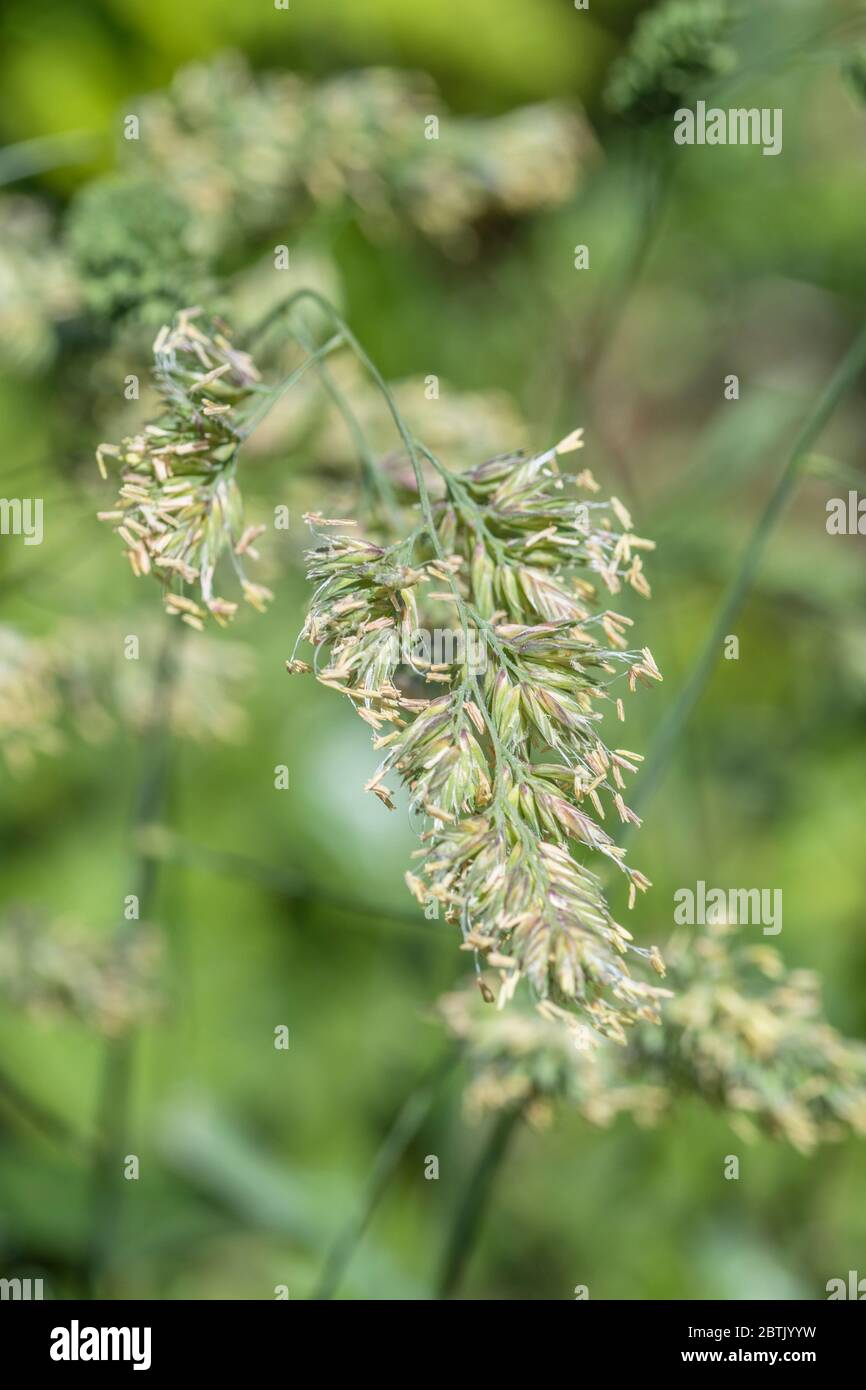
(179,510)
(506,764)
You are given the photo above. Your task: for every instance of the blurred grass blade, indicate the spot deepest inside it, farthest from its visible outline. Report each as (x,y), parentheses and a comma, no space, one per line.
(409,1120)
(31,157)
(475,1198)
(671,728)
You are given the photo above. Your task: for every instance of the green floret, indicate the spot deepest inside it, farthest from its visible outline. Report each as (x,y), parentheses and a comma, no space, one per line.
(673,51)
(128,239)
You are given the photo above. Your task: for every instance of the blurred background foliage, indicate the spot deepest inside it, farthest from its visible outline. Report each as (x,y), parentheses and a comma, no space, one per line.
(266,907)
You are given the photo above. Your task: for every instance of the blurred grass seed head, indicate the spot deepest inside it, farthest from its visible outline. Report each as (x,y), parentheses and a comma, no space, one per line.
(742,1033)
(675,50)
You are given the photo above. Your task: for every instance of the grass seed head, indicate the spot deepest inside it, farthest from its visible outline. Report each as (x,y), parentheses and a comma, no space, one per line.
(179,509)
(507,765)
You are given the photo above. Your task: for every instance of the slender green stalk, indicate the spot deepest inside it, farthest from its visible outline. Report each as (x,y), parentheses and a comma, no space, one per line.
(415,452)
(680,713)
(411,1115)
(272,395)
(408,1121)
(374,480)
(283,309)
(474,1199)
(651,167)
(39,1117)
(113,1098)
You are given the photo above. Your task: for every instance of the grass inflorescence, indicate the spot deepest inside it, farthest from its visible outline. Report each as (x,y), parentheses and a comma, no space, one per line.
(179,510)
(503,758)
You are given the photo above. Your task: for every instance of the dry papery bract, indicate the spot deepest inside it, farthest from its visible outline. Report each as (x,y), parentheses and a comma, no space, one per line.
(742,1033)
(503,757)
(179,510)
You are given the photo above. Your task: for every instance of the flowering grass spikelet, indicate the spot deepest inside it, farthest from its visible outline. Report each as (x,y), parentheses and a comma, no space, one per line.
(743,1033)
(681,46)
(506,764)
(179,510)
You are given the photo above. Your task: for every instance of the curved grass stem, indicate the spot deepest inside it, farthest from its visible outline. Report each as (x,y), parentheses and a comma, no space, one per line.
(113,1098)
(680,713)
(475,1198)
(408,1121)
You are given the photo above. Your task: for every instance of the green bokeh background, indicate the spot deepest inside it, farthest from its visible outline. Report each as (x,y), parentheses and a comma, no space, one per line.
(253,1159)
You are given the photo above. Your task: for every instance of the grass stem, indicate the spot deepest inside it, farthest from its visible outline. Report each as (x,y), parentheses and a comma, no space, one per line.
(475,1198)
(113,1098)
(408,1121)
(669,732)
